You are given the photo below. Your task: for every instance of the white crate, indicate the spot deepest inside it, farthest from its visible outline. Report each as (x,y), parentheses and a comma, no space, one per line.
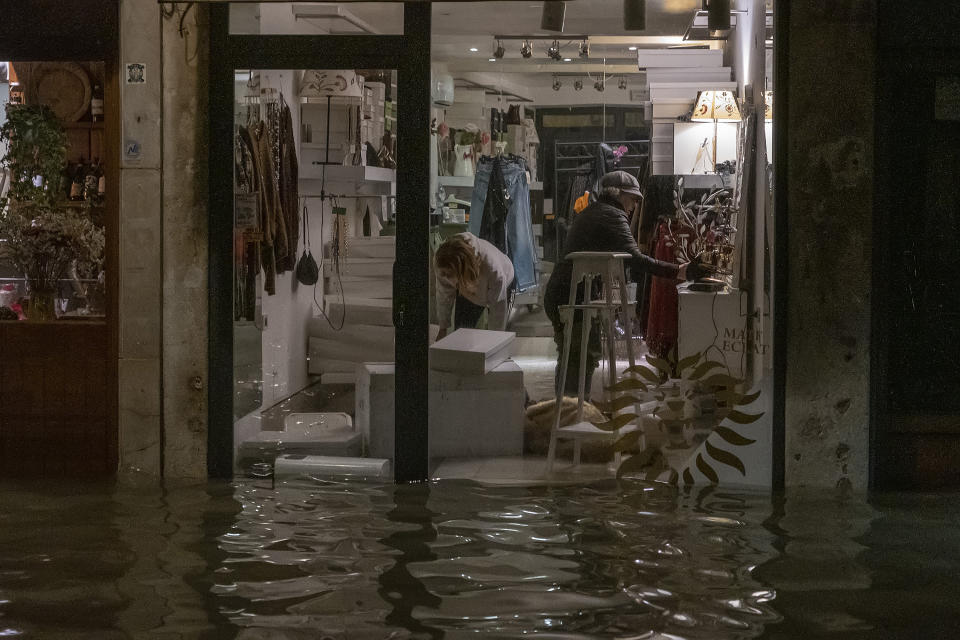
(360,311)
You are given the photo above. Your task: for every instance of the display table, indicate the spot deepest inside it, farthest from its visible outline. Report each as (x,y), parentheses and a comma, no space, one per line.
(716,323)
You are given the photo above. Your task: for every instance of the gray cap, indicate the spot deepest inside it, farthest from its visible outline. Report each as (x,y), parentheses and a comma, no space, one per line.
(621,180)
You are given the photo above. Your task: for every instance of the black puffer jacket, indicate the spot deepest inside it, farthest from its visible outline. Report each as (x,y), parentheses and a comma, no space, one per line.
(602,226)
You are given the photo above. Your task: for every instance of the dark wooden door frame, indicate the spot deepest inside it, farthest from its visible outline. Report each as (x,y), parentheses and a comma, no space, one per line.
(410,55)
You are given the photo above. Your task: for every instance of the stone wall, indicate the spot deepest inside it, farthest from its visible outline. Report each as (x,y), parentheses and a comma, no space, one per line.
(830,211)
(163,242)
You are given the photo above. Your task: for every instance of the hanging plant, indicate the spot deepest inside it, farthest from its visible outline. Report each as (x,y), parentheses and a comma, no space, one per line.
(36,153)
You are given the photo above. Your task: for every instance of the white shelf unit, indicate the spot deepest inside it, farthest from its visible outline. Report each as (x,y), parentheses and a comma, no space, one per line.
(355,175)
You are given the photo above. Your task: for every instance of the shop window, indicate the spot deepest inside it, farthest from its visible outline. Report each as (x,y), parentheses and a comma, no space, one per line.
(317,18)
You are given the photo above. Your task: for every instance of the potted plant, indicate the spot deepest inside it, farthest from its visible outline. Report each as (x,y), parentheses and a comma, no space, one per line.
(40,238)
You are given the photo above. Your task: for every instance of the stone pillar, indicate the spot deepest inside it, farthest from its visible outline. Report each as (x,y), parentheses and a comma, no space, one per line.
(830,99)
(185,152)
(140,264)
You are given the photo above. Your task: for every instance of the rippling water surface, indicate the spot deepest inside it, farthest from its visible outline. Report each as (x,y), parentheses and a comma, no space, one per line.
(329,559)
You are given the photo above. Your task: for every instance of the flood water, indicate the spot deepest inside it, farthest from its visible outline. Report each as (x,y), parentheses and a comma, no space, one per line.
(337,559)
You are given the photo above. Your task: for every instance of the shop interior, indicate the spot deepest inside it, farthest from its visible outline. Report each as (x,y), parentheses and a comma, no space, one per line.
(541,105)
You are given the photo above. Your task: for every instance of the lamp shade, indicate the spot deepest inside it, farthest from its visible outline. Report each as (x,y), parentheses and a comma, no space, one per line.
(715,105)
(768,105)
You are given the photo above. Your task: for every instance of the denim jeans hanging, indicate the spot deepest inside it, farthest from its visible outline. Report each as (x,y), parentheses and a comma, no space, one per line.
(511,214)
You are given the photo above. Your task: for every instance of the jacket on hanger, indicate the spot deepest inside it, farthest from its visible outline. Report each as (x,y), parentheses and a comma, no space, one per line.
(288,191)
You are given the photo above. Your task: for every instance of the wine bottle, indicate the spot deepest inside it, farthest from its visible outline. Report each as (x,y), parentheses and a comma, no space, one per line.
(90,180)
(76,185)
(96,104)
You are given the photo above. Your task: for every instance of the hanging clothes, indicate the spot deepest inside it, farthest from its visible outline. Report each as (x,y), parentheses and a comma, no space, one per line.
(506,223)
(274,241)
(246,250)
(288,188)
(662,327)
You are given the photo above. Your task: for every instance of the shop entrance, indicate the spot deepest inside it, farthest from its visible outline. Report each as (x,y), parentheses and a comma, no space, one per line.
(317,195)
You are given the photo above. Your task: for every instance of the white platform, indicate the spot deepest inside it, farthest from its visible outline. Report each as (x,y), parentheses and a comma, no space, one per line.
(479,415)
(471,352)
(360,267)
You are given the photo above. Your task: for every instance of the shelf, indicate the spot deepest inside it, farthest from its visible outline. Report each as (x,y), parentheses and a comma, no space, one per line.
(354,174)
(467,181)
(455,181)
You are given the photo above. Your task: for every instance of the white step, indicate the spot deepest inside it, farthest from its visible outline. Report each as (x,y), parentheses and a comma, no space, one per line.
(360,311)
(372,247)
(379,287)
(352,333)
(360,267)
(297,465)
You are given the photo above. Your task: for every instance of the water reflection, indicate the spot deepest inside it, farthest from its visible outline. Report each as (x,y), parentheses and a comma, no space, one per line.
(332,559)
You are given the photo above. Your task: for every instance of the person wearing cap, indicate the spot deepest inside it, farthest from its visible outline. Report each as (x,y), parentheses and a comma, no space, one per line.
(603,226)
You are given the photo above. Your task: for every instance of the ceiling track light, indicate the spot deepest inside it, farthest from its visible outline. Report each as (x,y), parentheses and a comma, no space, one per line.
(554,51)
(577,84)
(622,84)
(526,49)
(718,16)
(585,49)
(551,19)
(634,15)
(556,83)
(499,51)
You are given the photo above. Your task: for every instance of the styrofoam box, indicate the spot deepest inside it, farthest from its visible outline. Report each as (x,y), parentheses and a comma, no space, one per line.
(374,408)
(481,415)
(471,351)
(305,465)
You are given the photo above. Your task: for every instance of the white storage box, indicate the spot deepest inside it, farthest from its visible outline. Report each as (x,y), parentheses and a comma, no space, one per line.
(471,351)
(374,406)
(300,465)
(315,433)
(481,415)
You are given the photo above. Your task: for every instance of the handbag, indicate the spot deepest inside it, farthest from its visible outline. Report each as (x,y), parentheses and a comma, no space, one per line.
(308,272)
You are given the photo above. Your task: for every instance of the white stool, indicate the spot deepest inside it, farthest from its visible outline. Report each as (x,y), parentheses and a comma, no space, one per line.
(609,270)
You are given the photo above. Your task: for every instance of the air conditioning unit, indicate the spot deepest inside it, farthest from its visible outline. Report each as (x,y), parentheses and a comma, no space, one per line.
(443,90)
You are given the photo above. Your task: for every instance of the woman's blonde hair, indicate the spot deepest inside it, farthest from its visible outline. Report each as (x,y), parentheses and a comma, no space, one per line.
(457,255)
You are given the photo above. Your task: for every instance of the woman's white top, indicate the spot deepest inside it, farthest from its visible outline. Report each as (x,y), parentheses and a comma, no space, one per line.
(491,289)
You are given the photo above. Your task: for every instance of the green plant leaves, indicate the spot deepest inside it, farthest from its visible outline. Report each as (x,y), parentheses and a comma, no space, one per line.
(628,384)
(722,380)
(743,418)
(618,403)
(725,457)
(732,436)
(747,399)
(627,442)
(687,477)
(688,362)
(707,470)
(701,370)
(616,422)
(644,372)
(662,365)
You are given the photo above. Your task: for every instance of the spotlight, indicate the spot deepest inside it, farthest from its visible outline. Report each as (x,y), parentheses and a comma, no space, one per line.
(556,83)
(585,49)
(499,51)
(718,16)
(554,50)
(622,84)
(552,17)
(598,85)
(526,49)
(577,85)
(634,15)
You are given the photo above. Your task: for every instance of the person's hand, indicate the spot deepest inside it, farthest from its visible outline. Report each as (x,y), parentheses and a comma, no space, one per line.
(442,334)
(695,270)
